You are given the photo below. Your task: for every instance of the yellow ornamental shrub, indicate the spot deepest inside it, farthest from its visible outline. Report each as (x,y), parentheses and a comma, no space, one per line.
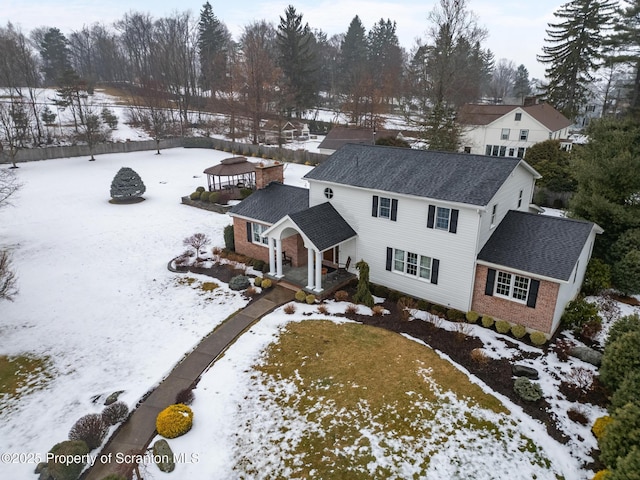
(266,283)
(538,338)
(175,420)
(301,296)
(602,475)
(257,281)
(600,426)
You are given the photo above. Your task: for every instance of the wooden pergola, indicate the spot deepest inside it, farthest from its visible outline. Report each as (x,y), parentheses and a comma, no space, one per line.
(231,173)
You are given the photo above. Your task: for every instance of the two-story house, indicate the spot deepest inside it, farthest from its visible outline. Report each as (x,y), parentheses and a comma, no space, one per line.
(508,130)
(451,228)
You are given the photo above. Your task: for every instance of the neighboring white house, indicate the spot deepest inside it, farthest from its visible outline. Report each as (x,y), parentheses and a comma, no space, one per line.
(508,130)
(451,228)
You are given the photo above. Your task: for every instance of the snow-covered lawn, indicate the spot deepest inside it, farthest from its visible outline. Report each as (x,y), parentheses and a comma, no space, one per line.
(96,298)
(97,301)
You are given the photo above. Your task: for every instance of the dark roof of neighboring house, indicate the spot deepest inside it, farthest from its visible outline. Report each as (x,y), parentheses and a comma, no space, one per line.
(473,114)
(454,177)
(323,225)
(339,136)
(231,166)
(539,244)
(273,202)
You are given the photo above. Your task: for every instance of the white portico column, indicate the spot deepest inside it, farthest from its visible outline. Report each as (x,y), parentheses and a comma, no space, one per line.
(318,272)
(279,258)
(272,258)
(310,259)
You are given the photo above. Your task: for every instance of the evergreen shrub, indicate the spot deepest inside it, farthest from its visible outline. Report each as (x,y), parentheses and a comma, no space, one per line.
(310,299)
(503,326)
(174,421)
(127,184)
(597,277)
(239,282)
(200,189)
(61,470)
(267,283)
(627,392)
(300,296)
(518,331)
(621,435)
(257,282)
(487,321)
(423,305)
(472,317)
(600,426)
(455,315)
(578,313)
(229,238)
(538,338)
(213,197)
(628,323)
(627,467)
(204,196)
(527,390)
(195,196)
(620,357)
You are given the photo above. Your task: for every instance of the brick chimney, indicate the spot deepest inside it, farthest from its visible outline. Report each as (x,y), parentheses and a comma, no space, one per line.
(269,172)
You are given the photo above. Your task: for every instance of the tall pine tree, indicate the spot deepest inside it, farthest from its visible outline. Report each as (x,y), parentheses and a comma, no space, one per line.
(574,51)
(296,59)
(213,40)
(353,70)
(626,41)
(521,85)
(54,50)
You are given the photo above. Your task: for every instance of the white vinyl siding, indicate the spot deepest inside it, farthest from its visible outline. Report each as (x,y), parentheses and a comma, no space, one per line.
(456,252)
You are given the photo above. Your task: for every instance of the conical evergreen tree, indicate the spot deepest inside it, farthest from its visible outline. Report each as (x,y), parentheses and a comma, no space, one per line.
(521,86)
(213,39)
(353,69)
(574,50)
(296,58)
(127,185)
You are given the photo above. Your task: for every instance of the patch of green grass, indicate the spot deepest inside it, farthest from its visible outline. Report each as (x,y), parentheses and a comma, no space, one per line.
(20,375)
(365,393)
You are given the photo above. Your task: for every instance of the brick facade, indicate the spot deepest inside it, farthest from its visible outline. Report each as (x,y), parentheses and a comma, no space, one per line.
(267,173)
(292,246)
(539,318)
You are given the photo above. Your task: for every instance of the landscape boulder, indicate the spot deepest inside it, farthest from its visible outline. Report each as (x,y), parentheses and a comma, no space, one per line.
(587,354)
(163,456)
(524,371)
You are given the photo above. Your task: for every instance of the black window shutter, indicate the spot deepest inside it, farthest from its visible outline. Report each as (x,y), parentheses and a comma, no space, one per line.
(374,208)
(389,257)
(453,223)
(432,216)
(394,209)
(491,280)
(435,268)
(249,233)
(534,286)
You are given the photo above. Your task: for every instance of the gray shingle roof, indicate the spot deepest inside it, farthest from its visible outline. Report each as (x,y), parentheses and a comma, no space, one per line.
(323,225)
(539,244)
(455,177)
(273,202)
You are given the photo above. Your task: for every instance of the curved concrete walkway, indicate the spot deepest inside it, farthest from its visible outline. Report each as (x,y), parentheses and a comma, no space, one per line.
(138,431)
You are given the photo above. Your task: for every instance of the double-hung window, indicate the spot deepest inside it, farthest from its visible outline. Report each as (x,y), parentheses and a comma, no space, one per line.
(413,264)
(442,218)
(257,230)
(524,135)
(384,210)
(384,207)
(504,135)
(512,286)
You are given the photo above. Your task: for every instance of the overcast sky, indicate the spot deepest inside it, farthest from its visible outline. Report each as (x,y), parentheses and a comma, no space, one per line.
(516,27)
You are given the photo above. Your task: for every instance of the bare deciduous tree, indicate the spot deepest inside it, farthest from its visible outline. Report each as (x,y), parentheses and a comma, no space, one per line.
(8,279)
(197,241)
